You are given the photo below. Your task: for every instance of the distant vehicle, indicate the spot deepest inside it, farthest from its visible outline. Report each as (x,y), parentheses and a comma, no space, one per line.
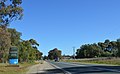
(57,59)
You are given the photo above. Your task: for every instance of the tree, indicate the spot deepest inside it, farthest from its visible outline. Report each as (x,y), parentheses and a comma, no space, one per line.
(107,41)
(15,36)
(33,42)
(114,50)
(106,49)
(38,54)
(45,57)
(118,46)
(89,51)
(28,51)
(55,53)
(5,44)
(102,45)
(10,10)
(108,45)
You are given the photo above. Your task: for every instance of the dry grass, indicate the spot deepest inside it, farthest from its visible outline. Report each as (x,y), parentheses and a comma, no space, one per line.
(111,61)
(15,70)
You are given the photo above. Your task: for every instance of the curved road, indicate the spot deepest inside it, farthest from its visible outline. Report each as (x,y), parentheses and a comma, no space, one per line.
(75,68)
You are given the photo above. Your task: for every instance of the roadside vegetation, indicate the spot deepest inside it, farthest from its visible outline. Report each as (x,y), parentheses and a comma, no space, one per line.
(54,54)
(107,52)
(15,70)
(11,10)
(109,61)
(101,49)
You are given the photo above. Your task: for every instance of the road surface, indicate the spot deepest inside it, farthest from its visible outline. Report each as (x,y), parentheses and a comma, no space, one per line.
(75,68)
(44,68)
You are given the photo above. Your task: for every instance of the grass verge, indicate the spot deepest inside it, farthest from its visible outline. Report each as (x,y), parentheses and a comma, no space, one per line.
(113,61)
(15,70)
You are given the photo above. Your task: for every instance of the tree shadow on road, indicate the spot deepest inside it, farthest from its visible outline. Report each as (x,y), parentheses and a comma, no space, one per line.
(85,70)
(94,70)
(50,71)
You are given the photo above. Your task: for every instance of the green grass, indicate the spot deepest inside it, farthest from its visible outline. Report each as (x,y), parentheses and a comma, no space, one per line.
(114,61)
(15,70)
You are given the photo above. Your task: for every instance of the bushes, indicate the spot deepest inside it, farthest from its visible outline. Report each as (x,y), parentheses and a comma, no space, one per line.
(106,49)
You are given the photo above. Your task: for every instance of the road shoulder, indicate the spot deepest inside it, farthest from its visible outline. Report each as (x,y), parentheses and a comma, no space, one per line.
(44,68)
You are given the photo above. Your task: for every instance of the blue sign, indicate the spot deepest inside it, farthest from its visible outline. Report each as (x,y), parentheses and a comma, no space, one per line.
(13,61)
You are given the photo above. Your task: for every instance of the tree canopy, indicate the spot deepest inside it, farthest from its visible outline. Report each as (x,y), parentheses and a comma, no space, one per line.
(10,10)
(55,53)
(101,49)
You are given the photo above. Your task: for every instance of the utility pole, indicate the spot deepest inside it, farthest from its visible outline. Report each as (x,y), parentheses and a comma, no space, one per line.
(73,52)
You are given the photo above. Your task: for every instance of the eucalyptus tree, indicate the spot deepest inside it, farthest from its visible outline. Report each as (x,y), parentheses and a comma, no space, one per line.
(5,44)
(28,51)
(10,10)
(102,45)
(118,46)
(114,47)
(15,36)
(52,54)
(38,54)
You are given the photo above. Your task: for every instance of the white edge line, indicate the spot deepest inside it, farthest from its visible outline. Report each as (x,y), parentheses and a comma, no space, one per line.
(66,72)
(96,67)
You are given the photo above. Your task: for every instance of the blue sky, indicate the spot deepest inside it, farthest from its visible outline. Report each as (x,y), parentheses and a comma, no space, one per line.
(67,23)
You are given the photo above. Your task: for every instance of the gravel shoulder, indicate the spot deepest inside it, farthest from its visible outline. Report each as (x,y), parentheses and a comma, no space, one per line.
(44,68)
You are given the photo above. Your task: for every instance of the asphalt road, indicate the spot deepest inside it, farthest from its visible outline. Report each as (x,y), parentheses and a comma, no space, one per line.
(75,68)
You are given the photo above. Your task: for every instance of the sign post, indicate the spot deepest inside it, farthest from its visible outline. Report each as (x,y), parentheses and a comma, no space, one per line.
(13,55)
